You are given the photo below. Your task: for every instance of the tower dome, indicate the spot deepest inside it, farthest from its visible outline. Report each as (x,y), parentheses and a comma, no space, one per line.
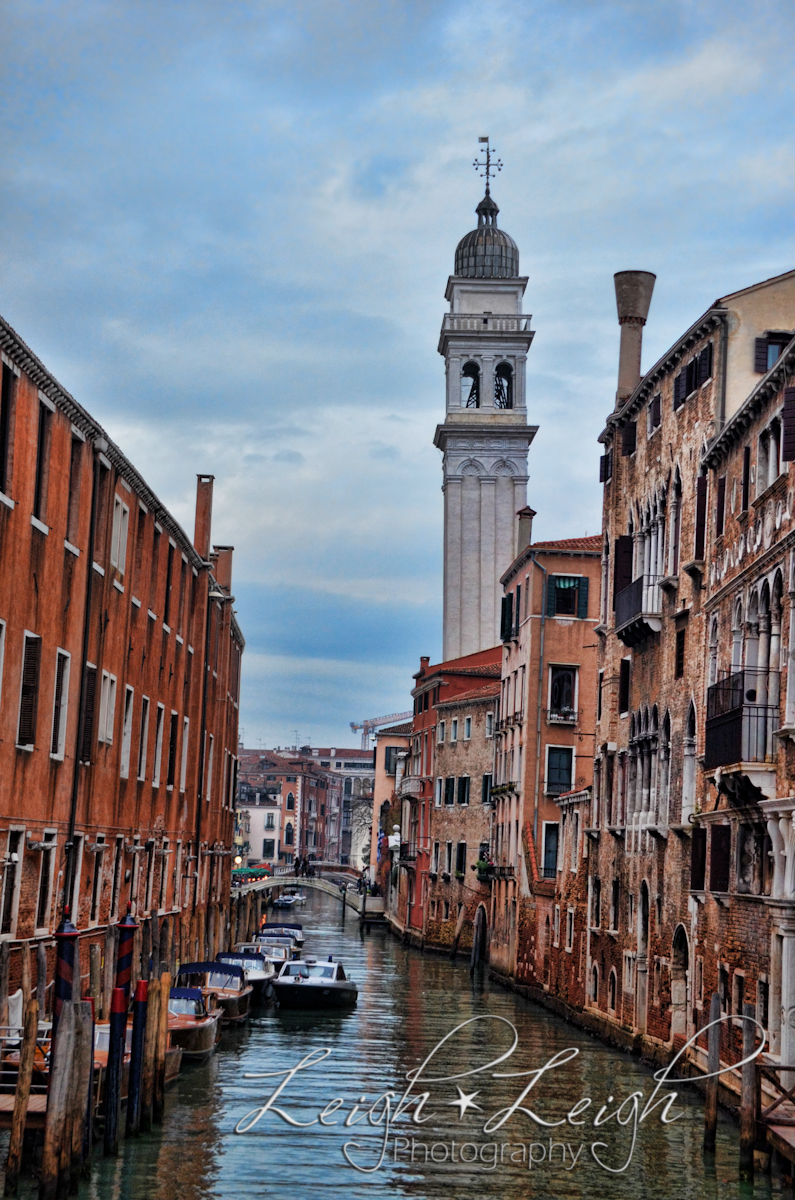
(487,252)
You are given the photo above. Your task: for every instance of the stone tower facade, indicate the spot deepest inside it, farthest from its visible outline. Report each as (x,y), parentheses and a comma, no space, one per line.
(485,436)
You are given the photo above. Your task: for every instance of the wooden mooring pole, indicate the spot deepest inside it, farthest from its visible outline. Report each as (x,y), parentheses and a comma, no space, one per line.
(57,1104)
(136,1058)
(713,1066)
(22,1097)
(748,1096)
(150,1047)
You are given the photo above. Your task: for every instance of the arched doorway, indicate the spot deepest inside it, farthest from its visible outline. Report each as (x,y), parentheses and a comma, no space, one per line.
(680,965)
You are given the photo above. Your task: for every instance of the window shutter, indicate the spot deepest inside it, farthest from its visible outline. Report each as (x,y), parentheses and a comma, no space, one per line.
(582,598)
(28,702)
(680,389)
(551,595)
(698,858)
(746,477)
(760,355)
(603,476)
(788,426)
(485,794)
(622,570)
(60,667)
(720,507)
(506,628)
(89,708)
(623,686)
(656,411)
(701,515)
(629,434)
(705,364)
(720,854)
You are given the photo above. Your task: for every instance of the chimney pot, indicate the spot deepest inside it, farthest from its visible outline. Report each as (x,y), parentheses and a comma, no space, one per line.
(633,297)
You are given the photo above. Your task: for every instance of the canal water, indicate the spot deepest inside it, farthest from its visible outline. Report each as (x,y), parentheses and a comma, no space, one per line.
(409,1003)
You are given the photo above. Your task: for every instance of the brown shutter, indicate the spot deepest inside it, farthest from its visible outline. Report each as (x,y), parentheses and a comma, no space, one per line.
(29,698)
(629,434)
(172,751)
(746,477)
(698,859)
(656,411)
(705,364)
(788,426)
(760,356)
(622,569)
(680,389)
(720,506)
(89,707)
(719,857)
(623,686)
(701,515)
(60,667)
(603,476)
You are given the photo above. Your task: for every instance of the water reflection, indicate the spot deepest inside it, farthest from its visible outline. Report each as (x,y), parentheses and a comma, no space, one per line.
(407,1003)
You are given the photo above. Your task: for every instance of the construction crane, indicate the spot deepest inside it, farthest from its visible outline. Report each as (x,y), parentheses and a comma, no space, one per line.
(372,723)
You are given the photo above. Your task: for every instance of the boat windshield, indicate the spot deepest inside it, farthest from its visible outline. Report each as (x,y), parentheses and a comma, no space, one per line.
(185,1008)
(278,953)
(229,983)
(310,971)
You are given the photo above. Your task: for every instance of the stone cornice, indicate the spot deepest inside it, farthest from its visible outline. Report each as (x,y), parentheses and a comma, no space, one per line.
(766,390)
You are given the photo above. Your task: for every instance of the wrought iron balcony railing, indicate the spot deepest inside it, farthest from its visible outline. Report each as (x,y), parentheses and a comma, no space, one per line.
(638,609)
(738,727)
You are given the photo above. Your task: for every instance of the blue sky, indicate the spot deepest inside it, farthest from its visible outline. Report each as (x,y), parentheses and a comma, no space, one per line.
(227,229)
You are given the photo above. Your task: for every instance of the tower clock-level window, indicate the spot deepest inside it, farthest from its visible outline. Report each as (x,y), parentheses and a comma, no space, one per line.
(503,386)
(470,386)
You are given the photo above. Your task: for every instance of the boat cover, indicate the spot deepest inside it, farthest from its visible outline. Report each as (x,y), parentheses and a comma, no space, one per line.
(186,994)
(256,960)
(199,968)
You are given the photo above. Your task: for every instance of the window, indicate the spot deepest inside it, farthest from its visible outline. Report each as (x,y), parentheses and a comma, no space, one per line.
(150,874)
(551,832)
(575,840)
(446,910)
(485,789)
(467,728)
(720,507)
(89,708)
(73,510)
(290,802)
(556,926)
(611,991)
(126,732)
(615,904)
(60,705)
(449,790)
(390,759)
(107,707)
(606,466)
(767,351)
(562,687)
(7,396)
(701,518)
(719,857)
(461,858)
(29,691)
(439,791)
(269,821)
(470,385)
(11,879)
(45,881)
(209,788)
(629,972)
(463,790)
(74,900)
(489,724)
(96,881)
(599,687)
(567,596)
(42,463)
(169,583)
(268,847)
(143,738)
(655,412)
(448,858)
(171,771)
(746,478)
(183,770)
(118,541)
(440,732)
(623,687)
(679,667)
(629,438)
(559,765)
(153,571)
(570,929)
(506,618)
(160,715)
(288,834)
(435,860)
(596,904)
(763,1003)
(503,386)
(454,730)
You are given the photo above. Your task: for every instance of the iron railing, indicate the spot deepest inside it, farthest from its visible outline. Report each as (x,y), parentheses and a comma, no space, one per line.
(642,596)
(738,727)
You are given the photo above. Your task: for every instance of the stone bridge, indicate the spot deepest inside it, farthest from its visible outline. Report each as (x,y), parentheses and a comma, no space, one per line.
(375,904)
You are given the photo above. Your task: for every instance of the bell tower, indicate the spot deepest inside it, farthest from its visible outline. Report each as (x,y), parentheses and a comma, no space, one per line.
(485,436)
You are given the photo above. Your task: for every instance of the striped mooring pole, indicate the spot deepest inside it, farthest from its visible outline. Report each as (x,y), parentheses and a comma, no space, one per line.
(124,953)
(66,942)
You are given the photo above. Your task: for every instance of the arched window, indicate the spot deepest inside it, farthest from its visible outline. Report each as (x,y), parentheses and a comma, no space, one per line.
(611,991)
(676,524)
(737,637)
(470,385)
(290,802)
(288,834)
(348,787)
(503,386)
(595,984)
(713,652)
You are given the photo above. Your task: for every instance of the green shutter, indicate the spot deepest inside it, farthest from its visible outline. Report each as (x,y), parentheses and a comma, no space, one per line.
(551,596)
(582,598)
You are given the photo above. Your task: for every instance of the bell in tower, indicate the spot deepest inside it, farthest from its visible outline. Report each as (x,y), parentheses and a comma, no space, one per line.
(485,436)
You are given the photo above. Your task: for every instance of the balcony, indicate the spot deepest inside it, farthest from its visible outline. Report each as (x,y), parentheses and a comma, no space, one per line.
(561,716)
(504,872)
(408,851)
(738,729)
(638,609)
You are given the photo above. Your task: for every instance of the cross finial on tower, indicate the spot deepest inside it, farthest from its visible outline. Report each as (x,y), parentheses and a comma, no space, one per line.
(488,169)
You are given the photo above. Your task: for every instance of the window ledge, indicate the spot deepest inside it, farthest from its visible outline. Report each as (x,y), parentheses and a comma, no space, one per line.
(180,640)
(72,549)
(9,503)
(37,524)
(29,749)
(118,586)
(99,570)
(167,628)
(190,649)
(152,616)
(135,601)
(56,758)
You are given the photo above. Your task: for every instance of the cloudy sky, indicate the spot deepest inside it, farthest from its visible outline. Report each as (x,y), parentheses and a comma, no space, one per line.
(227,229)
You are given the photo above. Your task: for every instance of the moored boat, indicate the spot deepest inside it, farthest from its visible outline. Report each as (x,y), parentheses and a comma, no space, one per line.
(283,929)
(259,971)
(226,983)
(192,1025)
(275,953)
(313,984)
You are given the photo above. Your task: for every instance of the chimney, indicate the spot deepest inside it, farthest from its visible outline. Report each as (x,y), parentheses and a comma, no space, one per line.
(204,513)
(524,529)
(223,566)
(633,297)
(424,660)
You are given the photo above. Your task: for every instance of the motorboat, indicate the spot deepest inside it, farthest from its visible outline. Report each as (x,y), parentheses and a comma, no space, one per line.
(102,1046)
(283,929)
(294,893)
(193,1025)
(259,971)
(313,984)
(284,901)
(222,985)
(276,953)
(295,950)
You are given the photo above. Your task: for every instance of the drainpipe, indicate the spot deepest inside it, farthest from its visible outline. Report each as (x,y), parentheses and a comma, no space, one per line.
(540,697)
(100,445)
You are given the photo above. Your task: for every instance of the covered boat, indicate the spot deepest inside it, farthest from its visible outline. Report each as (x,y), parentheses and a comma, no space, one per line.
(192,1024)
(313,984)
(228,985)
(259,971)
(283,929)
(276,953)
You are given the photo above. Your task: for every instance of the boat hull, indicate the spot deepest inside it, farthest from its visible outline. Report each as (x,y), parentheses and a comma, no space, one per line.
(196,1039)
(234,1006)
(307,994)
